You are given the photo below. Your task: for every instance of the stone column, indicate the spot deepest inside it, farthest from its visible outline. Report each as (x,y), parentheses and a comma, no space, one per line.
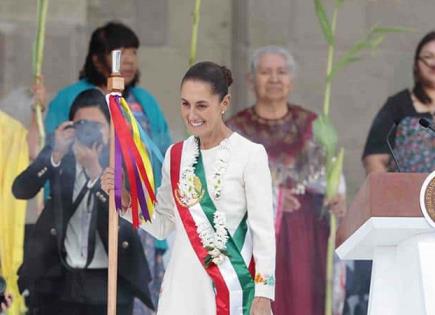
(239,53)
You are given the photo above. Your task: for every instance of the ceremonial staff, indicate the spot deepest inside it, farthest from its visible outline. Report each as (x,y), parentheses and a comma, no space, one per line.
(130,151)
(115,85)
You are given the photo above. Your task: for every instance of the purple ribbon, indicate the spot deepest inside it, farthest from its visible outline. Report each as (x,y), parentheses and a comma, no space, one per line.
(140,192)
(118,174)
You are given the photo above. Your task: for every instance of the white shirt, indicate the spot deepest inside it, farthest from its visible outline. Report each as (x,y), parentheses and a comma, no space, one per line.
(77,232)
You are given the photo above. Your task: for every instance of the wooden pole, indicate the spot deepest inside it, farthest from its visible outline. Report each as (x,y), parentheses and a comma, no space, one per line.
(115,84)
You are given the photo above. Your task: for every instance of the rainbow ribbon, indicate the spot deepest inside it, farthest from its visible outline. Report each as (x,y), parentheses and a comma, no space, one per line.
(131,152)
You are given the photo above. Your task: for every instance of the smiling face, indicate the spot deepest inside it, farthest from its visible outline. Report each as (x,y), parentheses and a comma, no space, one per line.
(201,109)
(272,80)
(426,64)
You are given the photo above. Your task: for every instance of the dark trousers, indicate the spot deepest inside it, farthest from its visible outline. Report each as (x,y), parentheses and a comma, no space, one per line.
(68,308)
(81,292)
(83,309)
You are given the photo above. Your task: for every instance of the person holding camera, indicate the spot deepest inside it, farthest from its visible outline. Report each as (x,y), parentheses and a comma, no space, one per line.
(65,263)
(144,106)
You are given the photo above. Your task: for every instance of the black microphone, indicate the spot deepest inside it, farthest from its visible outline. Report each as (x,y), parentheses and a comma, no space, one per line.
(391,148)
(427,124)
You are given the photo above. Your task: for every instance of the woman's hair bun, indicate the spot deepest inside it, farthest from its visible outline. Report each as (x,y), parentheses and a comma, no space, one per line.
(227,75)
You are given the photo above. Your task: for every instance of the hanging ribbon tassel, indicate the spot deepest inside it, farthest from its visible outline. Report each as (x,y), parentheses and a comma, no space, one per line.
(128,142)
(138,138)
(129,146)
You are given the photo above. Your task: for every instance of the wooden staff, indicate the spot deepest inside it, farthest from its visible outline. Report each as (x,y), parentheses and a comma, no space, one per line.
(115,84)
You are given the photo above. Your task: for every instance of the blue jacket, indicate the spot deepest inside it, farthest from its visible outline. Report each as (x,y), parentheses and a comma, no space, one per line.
(59,107)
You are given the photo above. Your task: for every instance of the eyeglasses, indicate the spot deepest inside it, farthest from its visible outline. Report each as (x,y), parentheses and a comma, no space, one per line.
(428,60)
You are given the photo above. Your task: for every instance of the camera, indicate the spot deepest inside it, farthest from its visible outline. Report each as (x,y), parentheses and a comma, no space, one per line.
(2,290)
(88,132)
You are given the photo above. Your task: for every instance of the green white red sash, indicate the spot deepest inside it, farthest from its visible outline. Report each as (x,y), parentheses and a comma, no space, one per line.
(232,279)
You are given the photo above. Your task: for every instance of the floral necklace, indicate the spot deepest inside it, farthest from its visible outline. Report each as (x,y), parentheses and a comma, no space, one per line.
(190,192)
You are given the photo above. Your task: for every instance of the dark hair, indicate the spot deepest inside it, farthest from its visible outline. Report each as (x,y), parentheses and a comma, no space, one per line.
(87,99)
(113,35)
(418,89)
(219,77)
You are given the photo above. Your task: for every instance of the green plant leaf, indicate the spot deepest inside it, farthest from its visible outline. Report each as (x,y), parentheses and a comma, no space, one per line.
(326,135)
(372,41)
(334,174)
(324,22)
(386,30)
(195,27)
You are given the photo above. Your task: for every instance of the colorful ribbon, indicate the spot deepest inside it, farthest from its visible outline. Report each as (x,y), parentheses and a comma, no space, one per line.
(130,150)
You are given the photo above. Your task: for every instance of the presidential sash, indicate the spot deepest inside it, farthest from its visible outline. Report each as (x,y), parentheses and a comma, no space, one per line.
(233,277)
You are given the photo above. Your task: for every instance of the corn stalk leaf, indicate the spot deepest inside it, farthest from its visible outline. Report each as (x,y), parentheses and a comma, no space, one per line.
(326,135)
(334,174)
(195,27)
(38,45)
(324,22)
(396,29)
(372,41)
(37,60)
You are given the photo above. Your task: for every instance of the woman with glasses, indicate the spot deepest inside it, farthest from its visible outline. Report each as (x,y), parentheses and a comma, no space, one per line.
(399,118)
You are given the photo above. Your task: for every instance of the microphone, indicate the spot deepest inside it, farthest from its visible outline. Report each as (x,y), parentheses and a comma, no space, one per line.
(427,124)
(390,148)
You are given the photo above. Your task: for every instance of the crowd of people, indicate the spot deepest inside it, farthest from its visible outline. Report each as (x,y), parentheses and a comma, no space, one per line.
(243,198)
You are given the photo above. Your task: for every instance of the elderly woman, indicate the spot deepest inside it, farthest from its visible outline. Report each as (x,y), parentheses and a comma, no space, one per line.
(297,166)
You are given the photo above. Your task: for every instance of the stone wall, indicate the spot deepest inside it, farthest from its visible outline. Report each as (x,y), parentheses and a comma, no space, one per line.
(229,30)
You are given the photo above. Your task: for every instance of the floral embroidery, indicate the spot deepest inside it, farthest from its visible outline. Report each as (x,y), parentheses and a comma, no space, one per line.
(414,147)
(190,190)
(264,279)
(214,239)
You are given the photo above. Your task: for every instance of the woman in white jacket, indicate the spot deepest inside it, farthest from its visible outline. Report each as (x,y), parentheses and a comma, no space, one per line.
(216,194)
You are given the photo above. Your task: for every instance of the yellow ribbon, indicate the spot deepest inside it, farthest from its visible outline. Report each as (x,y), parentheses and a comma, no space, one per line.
(142,151)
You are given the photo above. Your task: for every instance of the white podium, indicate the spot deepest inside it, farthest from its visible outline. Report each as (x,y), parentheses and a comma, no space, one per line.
(385,224)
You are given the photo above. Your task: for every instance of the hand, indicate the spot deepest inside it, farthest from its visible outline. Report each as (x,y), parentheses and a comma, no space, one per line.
(89,158)
(63,138)
(261,306)
(290,201)
(108,180)
(5,306)
(337,205)
(108,184)
(39,92)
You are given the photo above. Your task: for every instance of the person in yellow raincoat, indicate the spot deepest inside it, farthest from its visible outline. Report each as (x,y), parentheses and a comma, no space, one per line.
(14,158)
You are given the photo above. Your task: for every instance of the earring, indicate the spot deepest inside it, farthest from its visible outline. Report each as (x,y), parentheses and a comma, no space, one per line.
(222,112)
